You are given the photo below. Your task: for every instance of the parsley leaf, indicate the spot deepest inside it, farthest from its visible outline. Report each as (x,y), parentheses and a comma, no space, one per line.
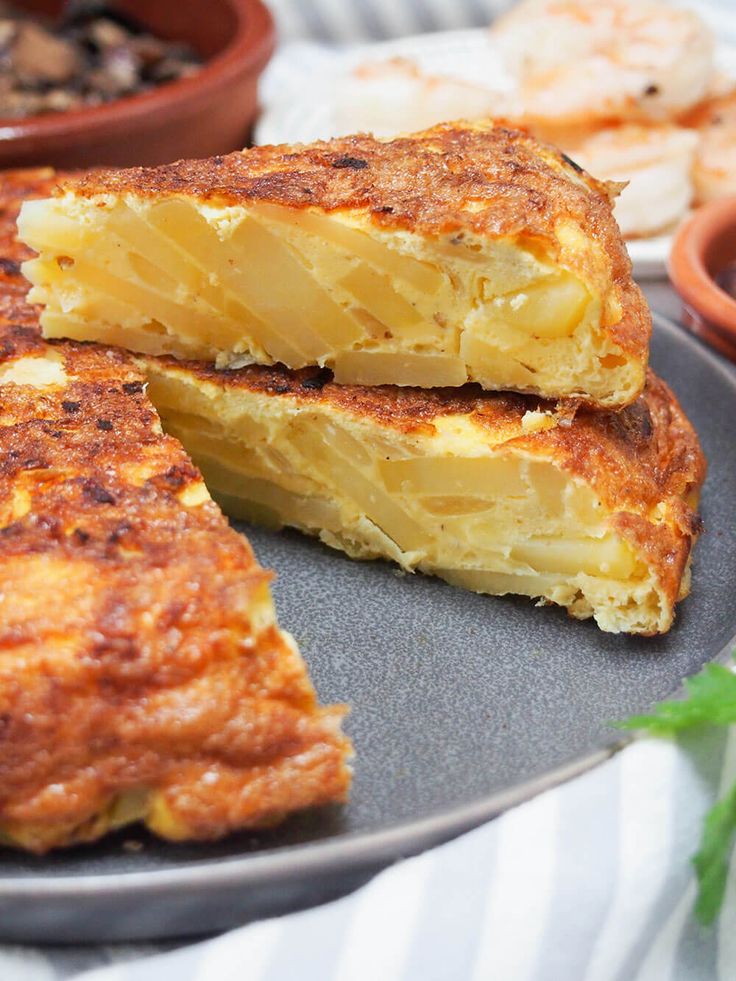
(712,859)
(710,700)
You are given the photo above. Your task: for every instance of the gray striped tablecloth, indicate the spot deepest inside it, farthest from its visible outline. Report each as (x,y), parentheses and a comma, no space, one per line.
(587,882)
(355,21)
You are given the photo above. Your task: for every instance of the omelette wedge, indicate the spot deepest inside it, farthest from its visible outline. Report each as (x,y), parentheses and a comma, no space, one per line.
(467,252)
(143,675)
(499,493)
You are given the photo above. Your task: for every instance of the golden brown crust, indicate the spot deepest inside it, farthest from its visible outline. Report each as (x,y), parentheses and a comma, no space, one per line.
(647,466)
(16,186)
(650,442)
(644,462)
(517,188)
(128,654)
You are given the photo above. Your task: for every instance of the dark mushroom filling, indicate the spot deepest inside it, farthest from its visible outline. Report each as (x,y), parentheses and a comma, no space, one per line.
(90,55)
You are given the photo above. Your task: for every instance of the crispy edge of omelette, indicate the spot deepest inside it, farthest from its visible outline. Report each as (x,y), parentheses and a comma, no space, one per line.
(482,177)
(142,673)
(645,463)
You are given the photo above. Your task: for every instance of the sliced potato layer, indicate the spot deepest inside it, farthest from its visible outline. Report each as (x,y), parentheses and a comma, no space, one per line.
(170,269)
(477,504)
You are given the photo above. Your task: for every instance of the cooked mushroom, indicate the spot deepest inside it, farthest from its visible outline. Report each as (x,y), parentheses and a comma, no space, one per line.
(93,54)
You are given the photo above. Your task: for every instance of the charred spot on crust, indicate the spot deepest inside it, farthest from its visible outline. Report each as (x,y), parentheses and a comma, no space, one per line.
(632,427)
(385,210)
(639,422)
(176,477)
(350,163)
(97,493)
(81,536)
(647,430)
(104,424)
(69,406)
(132,388)
(9,266)
(48,524)
(318,380)
(116,648)
(575,166)
(17,339)
(123,528)
(172,614)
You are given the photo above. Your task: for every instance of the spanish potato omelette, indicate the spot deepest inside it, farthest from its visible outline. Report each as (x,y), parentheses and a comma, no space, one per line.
(143,675)
(499,493)
(467,252)
(609,498)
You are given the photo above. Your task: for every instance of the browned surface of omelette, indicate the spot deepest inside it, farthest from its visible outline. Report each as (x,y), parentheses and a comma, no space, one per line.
(141,672)
(484,178)
(642,460)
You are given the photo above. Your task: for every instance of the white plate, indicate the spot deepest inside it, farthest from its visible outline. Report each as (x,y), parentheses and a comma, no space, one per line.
(298,92)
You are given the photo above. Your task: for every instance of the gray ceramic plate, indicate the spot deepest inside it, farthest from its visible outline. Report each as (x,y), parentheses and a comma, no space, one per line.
(461,706)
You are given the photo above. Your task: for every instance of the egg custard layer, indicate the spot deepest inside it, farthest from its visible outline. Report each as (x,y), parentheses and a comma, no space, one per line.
(143,675)
(496,493)
(467,252)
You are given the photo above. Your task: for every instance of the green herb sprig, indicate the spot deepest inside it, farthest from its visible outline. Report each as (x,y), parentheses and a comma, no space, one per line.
(710,700)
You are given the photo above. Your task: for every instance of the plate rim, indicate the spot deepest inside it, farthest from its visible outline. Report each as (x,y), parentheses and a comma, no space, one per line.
(356,849)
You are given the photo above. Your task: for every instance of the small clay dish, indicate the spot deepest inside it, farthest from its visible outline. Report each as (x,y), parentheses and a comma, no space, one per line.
(208,113)
(702,267)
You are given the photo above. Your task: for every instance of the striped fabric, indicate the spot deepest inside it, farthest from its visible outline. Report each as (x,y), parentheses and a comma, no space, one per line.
(587,882)
(353,21)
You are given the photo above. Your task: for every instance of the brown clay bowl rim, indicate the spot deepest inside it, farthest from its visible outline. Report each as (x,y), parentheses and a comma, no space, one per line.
(249,49)
(690,275)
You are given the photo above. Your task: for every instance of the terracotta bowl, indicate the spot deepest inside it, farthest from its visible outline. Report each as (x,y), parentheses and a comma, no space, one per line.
(704,248)
(206,114)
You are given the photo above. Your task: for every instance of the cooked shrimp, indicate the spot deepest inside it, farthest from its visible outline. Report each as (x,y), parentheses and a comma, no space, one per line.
(396,96)
(583,64)
(714,169)
(655,160)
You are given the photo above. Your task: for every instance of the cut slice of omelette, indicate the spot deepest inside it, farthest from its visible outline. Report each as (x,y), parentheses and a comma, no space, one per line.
(467,252)
(143,676)
(497,493)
